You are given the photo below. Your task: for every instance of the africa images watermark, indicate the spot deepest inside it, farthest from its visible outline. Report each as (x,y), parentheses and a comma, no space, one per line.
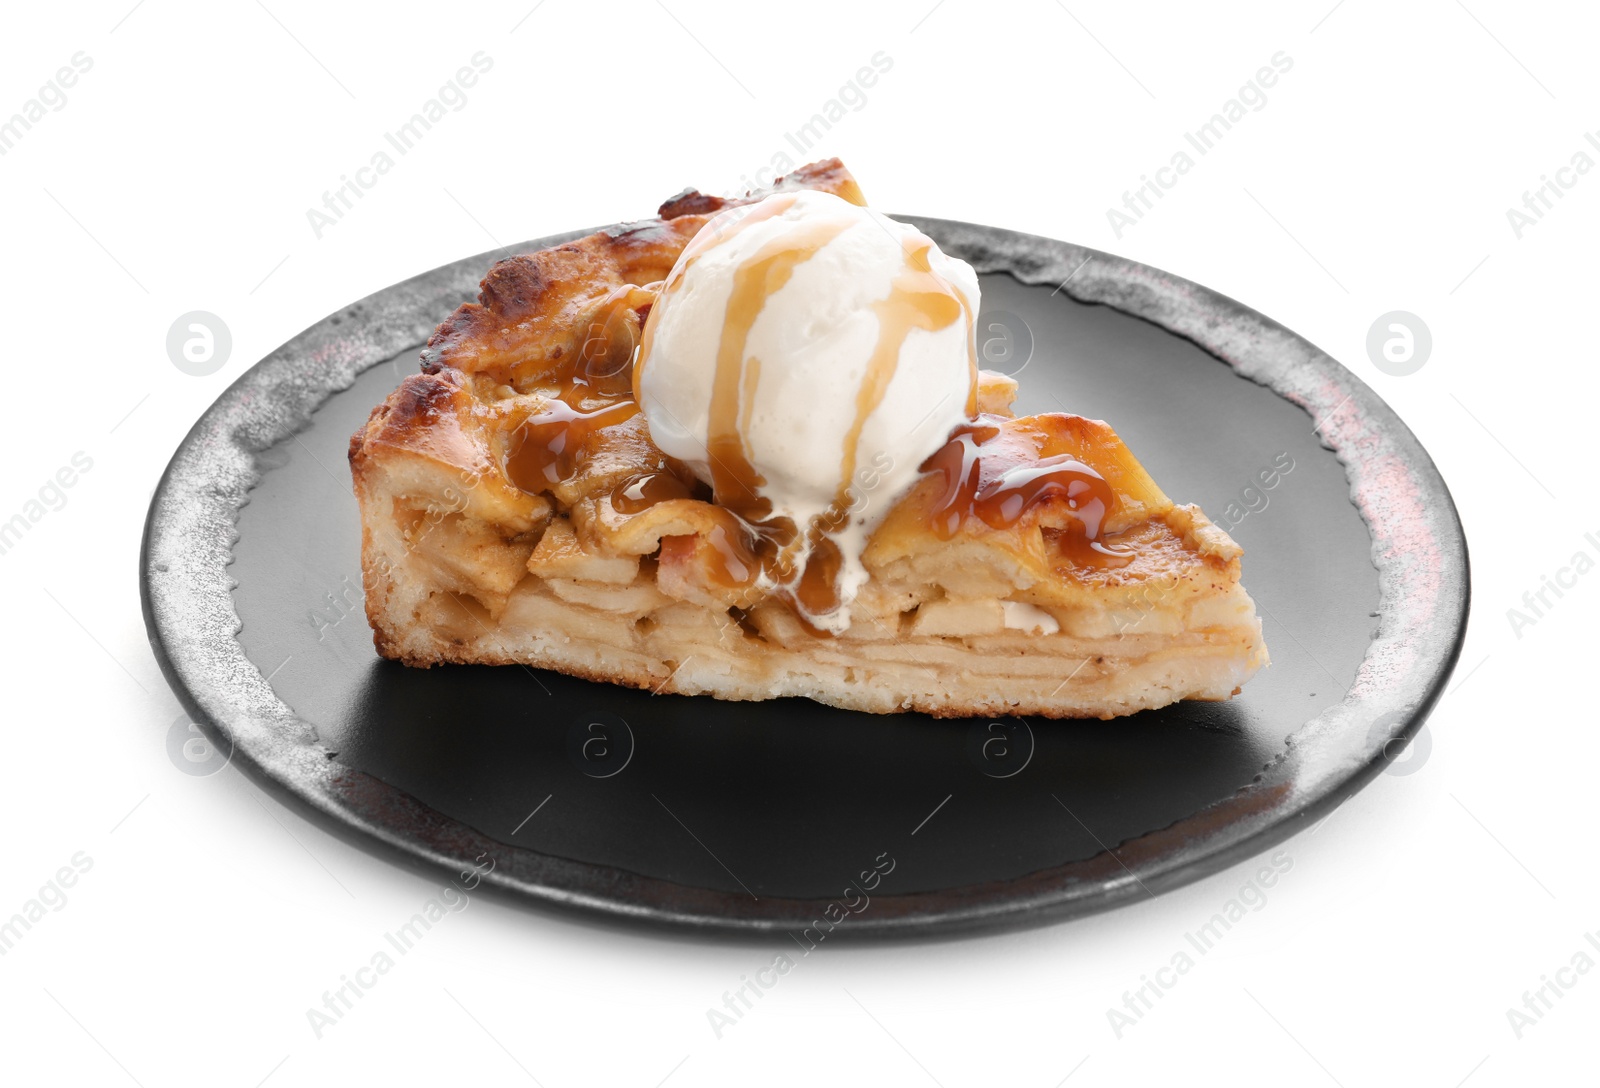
(1251,98)
(451,98)
(199,343)
(1256,499)
(1252,897)
(50,497)
(48,99)
(348,597)
(452,899)
(339,603)
(1542,199)
(1537,1002)
(52,895)
(1536,603)
(850,98)
(854,900)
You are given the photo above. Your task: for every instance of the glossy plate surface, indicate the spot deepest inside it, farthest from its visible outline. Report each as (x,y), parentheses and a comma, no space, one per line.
(789,815)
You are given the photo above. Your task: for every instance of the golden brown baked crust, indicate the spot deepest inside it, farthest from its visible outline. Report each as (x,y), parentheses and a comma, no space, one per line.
(534,308)
(470,555)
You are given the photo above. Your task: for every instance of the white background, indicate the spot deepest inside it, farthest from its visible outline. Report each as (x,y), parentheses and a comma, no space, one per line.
(1377,177)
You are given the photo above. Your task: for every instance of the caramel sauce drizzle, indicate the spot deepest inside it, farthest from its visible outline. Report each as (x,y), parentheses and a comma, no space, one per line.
(999,482)
(589,391)
(918,299)
(749,546)
(735,484)
(640,493)
(1072,544)
(718,230)
(805,567)
(544,449)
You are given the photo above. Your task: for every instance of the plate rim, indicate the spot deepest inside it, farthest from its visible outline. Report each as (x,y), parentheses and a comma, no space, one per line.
(187,603)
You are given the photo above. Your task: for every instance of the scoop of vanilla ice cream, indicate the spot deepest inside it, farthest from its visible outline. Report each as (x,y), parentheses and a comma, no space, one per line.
(846,381)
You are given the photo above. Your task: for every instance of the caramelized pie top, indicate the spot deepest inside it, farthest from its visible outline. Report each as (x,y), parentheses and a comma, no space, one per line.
(527,398)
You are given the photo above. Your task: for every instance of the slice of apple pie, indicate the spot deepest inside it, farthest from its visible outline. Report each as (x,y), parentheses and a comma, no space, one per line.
(744,450)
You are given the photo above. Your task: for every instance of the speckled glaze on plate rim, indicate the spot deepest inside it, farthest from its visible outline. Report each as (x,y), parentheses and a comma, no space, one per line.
(1418,548)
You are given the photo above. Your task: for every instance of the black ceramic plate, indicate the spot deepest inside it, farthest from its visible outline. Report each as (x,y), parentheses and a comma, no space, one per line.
(789,815)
